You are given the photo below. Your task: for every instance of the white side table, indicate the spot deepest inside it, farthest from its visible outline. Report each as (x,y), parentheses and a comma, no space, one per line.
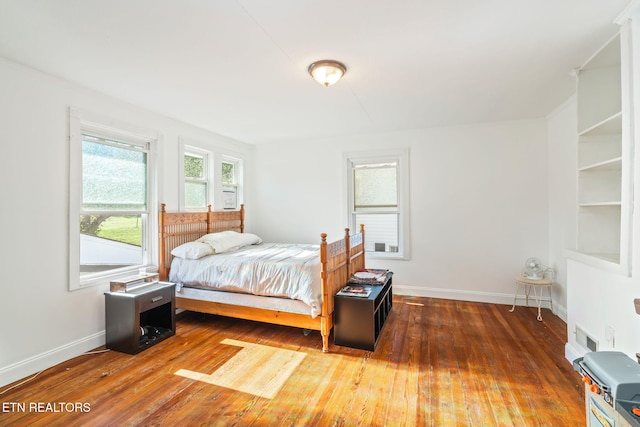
(537,285)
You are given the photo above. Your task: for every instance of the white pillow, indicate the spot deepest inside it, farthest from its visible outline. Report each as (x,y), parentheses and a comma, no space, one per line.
(192,250)
(226,241)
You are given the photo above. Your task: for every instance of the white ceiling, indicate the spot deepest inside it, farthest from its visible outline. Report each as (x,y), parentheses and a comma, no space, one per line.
(239,67)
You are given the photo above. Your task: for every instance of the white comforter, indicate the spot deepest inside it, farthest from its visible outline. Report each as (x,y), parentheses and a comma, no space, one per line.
(269,269)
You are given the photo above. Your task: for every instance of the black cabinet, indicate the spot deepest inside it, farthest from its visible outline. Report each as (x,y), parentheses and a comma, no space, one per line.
(140,318)
(358,321)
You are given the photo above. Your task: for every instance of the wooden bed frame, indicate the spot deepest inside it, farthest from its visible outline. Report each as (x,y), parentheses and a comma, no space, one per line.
(338,261)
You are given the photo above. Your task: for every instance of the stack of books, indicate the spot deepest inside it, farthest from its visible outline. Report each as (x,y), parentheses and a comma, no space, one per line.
(370,276)
(355,291)
(127,284)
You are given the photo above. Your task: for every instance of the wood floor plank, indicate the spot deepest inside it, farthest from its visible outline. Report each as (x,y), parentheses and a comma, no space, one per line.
(400,349)
(437,363)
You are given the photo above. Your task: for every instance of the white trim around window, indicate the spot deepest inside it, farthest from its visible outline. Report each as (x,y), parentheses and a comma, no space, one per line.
(216,188)
(232,193)
(209,172)
(84,123)
(400,158)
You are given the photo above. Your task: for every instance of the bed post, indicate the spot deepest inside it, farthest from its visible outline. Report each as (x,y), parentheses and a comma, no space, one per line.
(209,220)
(242,218)
(162,268)
(325,325)
(347,247)
(364,264)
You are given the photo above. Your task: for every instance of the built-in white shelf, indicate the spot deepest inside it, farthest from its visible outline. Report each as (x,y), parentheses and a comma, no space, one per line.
(603,161)
(614,164)
(609,126)
(600,204)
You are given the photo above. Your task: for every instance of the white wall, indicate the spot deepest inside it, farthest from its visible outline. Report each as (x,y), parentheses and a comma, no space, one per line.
(562,161)
(479,203)
(43,322)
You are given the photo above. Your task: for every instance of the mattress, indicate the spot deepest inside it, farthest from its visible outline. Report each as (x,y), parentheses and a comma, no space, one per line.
(245,300)
(290,271)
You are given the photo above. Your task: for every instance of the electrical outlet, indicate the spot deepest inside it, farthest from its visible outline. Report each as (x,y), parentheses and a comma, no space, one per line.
(610,336)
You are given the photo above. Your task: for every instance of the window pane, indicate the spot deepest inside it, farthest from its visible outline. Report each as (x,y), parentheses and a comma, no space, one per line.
(228,173)
(109,242)
(113,177)
(193,166)
(195,194)
(381,231)
(375,187)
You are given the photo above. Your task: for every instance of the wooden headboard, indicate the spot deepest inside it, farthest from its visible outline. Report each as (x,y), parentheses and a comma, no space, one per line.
(182,227)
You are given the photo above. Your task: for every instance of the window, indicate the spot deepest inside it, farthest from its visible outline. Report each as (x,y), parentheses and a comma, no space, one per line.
(229,178)
(209,177)
(196,180)
(110,196)
(378,198)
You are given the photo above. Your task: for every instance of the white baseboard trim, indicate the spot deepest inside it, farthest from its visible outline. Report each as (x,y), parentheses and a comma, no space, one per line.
(48,359)
(464,295)
(560,311)
(571,354)
(453,294)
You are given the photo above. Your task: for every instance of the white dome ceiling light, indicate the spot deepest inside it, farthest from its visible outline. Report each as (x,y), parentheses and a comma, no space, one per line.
(327,71)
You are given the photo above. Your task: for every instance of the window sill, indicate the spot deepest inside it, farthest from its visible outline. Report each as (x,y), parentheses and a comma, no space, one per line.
(105,279)
(386,255)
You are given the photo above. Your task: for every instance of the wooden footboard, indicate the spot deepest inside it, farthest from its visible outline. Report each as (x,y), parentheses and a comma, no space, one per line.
(338,261)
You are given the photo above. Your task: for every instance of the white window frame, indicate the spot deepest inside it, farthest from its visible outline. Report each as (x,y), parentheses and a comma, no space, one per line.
(215,156)
(238,168)
(401,157)
(81,122)
(209,178)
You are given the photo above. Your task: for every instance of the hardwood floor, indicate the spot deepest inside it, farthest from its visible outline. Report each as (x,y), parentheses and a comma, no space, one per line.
(438,363)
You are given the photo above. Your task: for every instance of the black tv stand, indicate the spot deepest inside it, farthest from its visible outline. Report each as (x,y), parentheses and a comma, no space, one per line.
(358,321)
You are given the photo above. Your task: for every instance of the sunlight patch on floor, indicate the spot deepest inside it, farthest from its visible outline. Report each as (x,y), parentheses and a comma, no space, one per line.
(256,369)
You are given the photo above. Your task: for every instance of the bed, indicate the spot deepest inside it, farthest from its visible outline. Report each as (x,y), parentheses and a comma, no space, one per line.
(335,262)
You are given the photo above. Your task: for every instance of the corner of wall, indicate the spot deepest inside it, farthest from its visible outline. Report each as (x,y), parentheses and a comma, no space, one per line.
(570,353)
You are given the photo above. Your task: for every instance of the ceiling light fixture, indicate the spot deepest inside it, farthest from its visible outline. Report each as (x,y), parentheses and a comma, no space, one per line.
(327,71)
